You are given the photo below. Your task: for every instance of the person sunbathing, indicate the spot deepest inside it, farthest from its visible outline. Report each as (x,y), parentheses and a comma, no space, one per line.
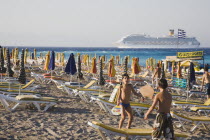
(206,79)
(124,100)
(163,122)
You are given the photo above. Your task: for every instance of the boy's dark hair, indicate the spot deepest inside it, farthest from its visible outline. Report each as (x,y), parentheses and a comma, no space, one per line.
(158,65)
(206,68)
(125,75)
(163,83)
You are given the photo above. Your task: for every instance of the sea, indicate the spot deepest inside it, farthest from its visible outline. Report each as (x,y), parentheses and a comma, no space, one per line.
(142,53)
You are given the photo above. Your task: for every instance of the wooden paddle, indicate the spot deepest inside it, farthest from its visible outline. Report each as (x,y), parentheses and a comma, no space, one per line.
(147,91)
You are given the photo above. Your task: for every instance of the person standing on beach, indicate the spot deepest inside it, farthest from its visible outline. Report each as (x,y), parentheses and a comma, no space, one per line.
(156,75)
(163,122)
(124,100)
(206,79)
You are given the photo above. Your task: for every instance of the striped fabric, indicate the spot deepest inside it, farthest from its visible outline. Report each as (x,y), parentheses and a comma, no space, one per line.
(180,35)
(125,65)
(183,34)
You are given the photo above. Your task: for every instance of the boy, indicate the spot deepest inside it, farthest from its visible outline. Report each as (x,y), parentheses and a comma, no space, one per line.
(206,79)
(124,100)
(163,120)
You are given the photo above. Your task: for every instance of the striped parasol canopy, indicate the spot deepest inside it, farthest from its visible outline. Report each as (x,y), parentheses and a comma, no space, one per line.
(192,75)
(2,68)
(111,69)
(93,66)
(125,65)
(85,59)
(62,59)
(101,78)
(9,70)
(71,65)
(13,54)
(135,66)
(22,76)
(79,68)
(162,72)
(26,55)
(47,61)
(35,54)
(52,61)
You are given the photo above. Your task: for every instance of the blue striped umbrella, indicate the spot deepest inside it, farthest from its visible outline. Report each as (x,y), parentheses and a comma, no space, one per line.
(52,61)
(32,55)
(71,65)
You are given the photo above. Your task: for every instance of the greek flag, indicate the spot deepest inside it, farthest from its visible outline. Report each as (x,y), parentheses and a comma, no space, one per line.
(180,33)
(183,34)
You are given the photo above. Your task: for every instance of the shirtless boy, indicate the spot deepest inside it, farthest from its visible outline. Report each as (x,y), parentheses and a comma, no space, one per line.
(124,100)
(163,122)
(206,79)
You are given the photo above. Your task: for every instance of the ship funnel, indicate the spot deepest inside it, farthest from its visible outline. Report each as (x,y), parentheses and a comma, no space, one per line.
(171,32)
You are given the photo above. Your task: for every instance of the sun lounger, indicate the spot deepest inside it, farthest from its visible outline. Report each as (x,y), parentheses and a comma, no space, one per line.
(24,99)
(40,78)
(191,93)
(87,88)
(186,104)
(107,106)
(144,75)
(6,80)
(201,109)
(91,83)
(14,93)
(87,94)
(17,91)
(133,133)
(26,86)
(74,89)
(178,91)
(197,120)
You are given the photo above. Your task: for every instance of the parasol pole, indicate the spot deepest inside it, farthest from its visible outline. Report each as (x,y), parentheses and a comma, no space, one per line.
(19,88)
(51,73)
(1,78)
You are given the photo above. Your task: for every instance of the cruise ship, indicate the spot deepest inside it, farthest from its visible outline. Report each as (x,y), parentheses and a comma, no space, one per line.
(169,41)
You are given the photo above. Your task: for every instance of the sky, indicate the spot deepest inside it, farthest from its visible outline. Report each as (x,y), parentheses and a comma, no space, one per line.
(98,23)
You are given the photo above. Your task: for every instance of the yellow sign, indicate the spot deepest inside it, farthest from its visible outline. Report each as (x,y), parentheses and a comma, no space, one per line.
(189,54)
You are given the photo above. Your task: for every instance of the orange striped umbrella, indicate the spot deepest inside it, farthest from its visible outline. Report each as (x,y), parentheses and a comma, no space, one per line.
(111,69)
(47,61)
(135,66)
(93,66)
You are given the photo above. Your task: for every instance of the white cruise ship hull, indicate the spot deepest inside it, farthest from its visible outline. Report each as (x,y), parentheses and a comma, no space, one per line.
(158,46)
(145,41)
